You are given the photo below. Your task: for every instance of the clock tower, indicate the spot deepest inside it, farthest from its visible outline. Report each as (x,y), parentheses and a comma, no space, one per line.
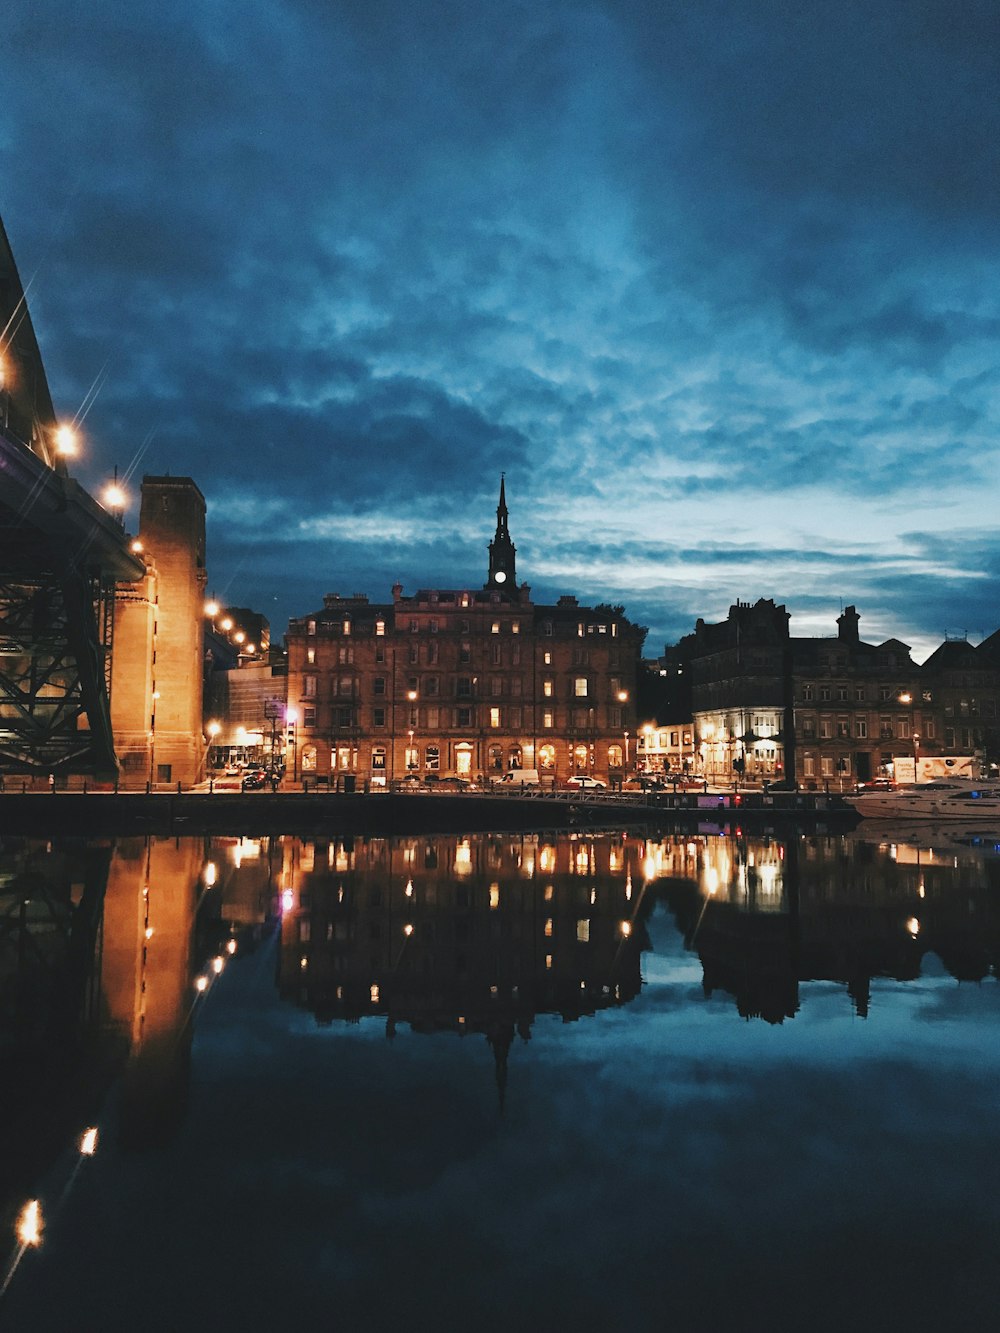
(502,550)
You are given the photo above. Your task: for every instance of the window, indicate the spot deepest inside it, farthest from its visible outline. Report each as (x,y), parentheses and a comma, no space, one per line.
(859,694)
(807,693)
(583,931)
(515,655)
(515,627)
(378,757)
(929,729)
(580,629)
(414,626)
(580,687)
(861,728)
(827,765)
(311,656)
(309,715)
(842,692)
(464,717)
(495,654)
(380,627)
(413,656)
(433,626)
(885,728)
(433,757)
(345,654)
(843,728)
(344,717)
(310,627)
(824,692)
(548,720)
(465,651)
(378,717)
(514,718)
(825,728)
(432,718)
(432,654)
(547,658)
(884,693)
(379,686)
(345,687)
(494,717)
(547,628)
(547,687)
(380,653)
(309,687)
(463,687)
(809,766)
(495,627)
(347,626)
(496,686)
(432,687)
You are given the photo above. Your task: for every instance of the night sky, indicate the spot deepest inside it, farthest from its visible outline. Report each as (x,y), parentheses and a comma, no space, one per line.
(715,282)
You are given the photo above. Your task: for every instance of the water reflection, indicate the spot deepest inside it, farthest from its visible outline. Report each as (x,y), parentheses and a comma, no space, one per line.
(638,1115)
(108,949)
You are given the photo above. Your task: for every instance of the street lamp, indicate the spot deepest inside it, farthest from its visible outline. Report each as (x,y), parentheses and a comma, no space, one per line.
(291,717)
(916,757)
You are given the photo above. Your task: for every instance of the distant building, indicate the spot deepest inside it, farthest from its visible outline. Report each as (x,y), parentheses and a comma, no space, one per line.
(766,705)
(464,681)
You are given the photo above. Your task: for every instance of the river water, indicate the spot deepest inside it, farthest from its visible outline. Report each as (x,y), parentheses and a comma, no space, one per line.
(695,1080)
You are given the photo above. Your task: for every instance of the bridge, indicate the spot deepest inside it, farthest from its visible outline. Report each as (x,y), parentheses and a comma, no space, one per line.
(61,555)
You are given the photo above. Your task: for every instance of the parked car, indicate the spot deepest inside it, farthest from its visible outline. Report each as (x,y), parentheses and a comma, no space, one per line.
(519,777)
(581,782)
(782,784)
(446,782)
(254,779)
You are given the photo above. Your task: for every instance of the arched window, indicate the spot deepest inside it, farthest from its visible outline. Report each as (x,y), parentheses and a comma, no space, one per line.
(547,756)
(308,758)
(614,756)
(496,758)
(514,757)
(580,756)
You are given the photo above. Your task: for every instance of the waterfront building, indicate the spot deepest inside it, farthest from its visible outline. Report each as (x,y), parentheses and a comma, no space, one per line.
(826,711)
(465,682)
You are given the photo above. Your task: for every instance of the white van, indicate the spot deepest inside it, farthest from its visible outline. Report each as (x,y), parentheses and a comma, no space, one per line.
(519,777)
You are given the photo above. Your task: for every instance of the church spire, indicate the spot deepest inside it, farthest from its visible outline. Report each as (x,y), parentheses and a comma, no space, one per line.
(502,549)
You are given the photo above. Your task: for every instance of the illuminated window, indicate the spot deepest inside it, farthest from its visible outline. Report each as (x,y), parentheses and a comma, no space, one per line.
(546,658)
(547,687)
(580,687)
(380,627)
(347,626)
(494,897)
(494,717)
(583,930)
(495,627)
(548,723)
(309,687)
(311,656)
(548,927)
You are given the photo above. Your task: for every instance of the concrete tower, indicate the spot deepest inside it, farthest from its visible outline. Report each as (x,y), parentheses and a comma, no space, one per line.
(156,688)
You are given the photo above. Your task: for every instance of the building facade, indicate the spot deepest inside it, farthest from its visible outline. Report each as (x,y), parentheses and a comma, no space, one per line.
(467,682)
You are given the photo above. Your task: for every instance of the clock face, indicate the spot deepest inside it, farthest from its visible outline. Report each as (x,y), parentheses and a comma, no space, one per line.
(500,576)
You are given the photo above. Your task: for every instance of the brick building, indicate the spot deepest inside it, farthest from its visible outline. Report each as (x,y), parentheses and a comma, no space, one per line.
(461,682)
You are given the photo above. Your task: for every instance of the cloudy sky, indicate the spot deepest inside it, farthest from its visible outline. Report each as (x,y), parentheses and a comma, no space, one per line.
(715,284)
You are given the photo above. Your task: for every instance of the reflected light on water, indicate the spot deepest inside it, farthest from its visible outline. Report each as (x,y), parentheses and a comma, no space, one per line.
(88,1144)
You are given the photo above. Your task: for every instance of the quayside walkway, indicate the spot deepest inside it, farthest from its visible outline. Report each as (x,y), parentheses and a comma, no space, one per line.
(61,812)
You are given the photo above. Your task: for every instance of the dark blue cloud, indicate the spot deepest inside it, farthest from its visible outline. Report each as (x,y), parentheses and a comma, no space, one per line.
(696,277)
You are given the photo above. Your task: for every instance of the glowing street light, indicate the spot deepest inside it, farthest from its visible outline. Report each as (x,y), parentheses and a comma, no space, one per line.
(88,1144)
(212,608)
(29,1223)
(66,441)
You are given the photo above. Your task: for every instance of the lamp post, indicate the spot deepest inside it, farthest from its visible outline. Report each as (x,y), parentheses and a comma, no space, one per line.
(291,718)
(916,757)
(623,700)
(211,731)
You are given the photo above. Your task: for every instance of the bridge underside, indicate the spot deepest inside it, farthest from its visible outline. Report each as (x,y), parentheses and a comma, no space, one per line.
(55,642)
(60,556)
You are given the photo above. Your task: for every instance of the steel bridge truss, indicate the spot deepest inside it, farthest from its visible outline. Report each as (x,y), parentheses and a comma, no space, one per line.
(55,661)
